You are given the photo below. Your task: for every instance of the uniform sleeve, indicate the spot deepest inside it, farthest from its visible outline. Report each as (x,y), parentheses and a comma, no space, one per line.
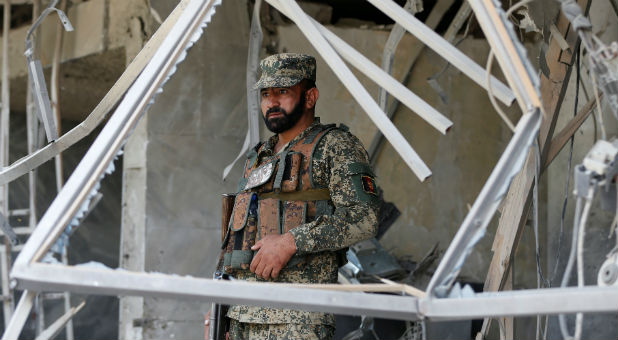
(345,170)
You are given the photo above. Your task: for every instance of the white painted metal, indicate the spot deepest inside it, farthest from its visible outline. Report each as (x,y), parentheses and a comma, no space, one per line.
(95,280)
(55,105)
(63,321)
(511,58)
(19,212)
(388,55)
(383,79)
(525,84)
(18,320)
(37,157)
(108,143)
(360,94)
(444,48)
(387,82)
(7,292)
(5,255)
(548,301)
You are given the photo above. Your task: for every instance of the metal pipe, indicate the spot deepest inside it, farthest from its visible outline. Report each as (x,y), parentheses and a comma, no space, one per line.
(55,93)
(95,280)
(527,302)
(55,104)
(16,323)
(7,292)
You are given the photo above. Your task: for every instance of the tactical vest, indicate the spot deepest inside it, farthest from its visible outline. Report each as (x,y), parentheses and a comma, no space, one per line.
(276,195)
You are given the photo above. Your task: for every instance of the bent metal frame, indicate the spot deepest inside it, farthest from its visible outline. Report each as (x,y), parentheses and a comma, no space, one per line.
(440,302)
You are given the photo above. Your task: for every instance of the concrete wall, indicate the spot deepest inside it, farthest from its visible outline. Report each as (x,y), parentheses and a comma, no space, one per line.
(194,129)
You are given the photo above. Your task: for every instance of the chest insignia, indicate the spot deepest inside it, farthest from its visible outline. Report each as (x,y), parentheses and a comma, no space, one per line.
(260,175)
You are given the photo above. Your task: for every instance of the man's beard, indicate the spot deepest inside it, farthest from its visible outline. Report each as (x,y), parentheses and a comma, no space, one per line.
(288,120)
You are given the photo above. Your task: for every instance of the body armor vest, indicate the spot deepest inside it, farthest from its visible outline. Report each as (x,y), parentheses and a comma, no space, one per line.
(276,194)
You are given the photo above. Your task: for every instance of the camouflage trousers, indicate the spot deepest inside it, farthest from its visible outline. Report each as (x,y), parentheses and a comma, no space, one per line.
(245,331)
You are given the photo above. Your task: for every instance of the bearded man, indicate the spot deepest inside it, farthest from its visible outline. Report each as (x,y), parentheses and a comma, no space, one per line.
(307,193)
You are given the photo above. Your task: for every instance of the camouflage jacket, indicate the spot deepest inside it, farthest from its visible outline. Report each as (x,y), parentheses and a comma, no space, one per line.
(354,219)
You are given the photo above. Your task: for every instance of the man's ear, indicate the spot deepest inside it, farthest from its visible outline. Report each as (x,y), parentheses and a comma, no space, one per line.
(311,97)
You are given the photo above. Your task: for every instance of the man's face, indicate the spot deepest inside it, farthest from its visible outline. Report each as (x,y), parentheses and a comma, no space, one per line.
(282,107)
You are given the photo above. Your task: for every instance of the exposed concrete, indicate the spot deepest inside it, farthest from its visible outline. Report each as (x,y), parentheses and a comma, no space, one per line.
(195,128)
(132,241)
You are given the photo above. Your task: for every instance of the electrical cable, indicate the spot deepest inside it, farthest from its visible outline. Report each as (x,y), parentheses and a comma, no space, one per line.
(490,59)
(569,266)
(535,223)
(595,89)
(595,136)
(579,319)
(492,99)
(554,272)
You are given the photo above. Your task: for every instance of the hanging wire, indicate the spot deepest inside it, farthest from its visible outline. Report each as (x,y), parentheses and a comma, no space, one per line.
(568,181)
(595,89)
(490,60)
(579,319)
(492,99)
(567,272)
(535,214)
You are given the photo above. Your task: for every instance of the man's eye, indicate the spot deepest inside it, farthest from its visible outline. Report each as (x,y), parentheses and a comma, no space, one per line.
(264,94)
(283,91)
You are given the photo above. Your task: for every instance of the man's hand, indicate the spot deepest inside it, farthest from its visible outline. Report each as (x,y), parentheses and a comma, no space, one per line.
(274,253)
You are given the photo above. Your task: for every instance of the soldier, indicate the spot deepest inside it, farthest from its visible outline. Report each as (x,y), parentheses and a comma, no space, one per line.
(307,194)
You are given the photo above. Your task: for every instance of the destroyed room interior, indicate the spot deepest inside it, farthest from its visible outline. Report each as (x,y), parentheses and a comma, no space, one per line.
(491,136)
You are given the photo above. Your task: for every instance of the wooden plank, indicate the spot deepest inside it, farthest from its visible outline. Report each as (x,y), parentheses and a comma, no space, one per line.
(569,130)
(518,199)
(100,112)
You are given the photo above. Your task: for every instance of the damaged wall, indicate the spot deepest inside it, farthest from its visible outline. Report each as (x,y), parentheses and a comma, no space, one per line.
(597,243)
(175,160)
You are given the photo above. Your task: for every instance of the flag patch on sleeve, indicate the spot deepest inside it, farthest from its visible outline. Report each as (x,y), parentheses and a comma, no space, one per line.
(369,185)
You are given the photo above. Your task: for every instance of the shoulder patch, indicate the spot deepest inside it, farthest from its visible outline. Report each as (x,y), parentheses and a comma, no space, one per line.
(363,180)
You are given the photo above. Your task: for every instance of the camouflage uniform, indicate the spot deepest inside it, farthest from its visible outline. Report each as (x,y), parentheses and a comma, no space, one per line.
(340,163)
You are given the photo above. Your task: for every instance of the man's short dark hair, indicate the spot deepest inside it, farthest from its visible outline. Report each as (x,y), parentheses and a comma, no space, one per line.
(307,84)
